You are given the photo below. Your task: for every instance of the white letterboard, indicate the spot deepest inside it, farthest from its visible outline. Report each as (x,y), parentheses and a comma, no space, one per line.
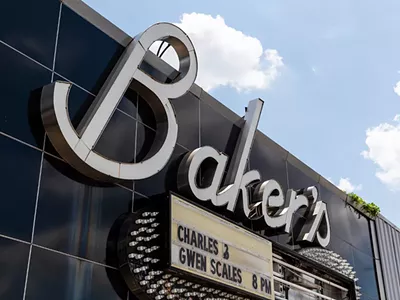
(213,248)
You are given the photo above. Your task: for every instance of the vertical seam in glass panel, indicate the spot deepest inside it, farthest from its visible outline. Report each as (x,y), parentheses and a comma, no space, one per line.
(41,166)
(135,148)
(200,130)
(34,220)
(56,43)
(199,122)
(287,173)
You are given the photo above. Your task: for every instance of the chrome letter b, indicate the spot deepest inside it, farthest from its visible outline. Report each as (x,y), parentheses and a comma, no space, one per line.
(77,147)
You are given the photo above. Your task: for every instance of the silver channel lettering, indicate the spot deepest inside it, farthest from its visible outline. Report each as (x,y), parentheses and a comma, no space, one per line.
(267,202)
(77,148)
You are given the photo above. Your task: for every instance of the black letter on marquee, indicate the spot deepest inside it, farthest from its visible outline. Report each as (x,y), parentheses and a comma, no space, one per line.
(254,282)
(180,230)
(182,258)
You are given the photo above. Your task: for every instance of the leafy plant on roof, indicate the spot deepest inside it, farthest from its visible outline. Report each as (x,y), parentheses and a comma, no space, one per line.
(369,208)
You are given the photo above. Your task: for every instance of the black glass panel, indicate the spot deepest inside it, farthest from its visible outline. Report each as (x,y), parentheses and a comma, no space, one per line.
(344,249)
(118,139)
(365,297)
(139,201)
(360,232)
(30,27)
(217,131)
(19,177)
(20,88)
(338,211)
(74,217)
(270,163)
(187,116)
(13,262)
(365,272)
(129,103)
(290,239)
(279,235)
(85,54)
(146,114)
(165,180)
(57,276)
(144,141)
(299,179)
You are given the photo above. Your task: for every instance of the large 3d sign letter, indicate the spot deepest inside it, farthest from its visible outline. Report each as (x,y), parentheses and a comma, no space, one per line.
(77,147)
(236,180)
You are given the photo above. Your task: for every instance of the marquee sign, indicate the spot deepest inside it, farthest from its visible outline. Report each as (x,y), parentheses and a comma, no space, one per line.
(210,247)
(179,250)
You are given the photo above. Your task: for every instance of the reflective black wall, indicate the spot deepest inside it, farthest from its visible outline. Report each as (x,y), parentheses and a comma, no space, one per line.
(56,225)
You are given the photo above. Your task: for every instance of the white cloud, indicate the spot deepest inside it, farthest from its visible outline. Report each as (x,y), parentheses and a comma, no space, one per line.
(347,186)
(226,56)
(383,142)
(396,88)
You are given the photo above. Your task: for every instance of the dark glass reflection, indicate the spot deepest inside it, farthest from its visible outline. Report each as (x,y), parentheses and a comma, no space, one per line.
(365,268)
(20,93)
(13,262)
(269,162)
(76,218)
(187,115)
(57,276)
(299,179)
(118,139)
(342,248)
(30,27)
(360,231)
(129,103)
(146,114)
(338,214)
(144,142)
(20,165)
(217,131)
(165,180)
(85,54)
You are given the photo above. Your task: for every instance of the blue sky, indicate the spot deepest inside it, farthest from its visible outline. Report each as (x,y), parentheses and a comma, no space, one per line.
(336,79)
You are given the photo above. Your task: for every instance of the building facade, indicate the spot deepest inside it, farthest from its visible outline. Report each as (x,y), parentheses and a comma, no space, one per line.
(59,227)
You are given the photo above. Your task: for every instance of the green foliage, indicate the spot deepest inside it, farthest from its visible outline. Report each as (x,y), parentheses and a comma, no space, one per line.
(356,199)
(370,208)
